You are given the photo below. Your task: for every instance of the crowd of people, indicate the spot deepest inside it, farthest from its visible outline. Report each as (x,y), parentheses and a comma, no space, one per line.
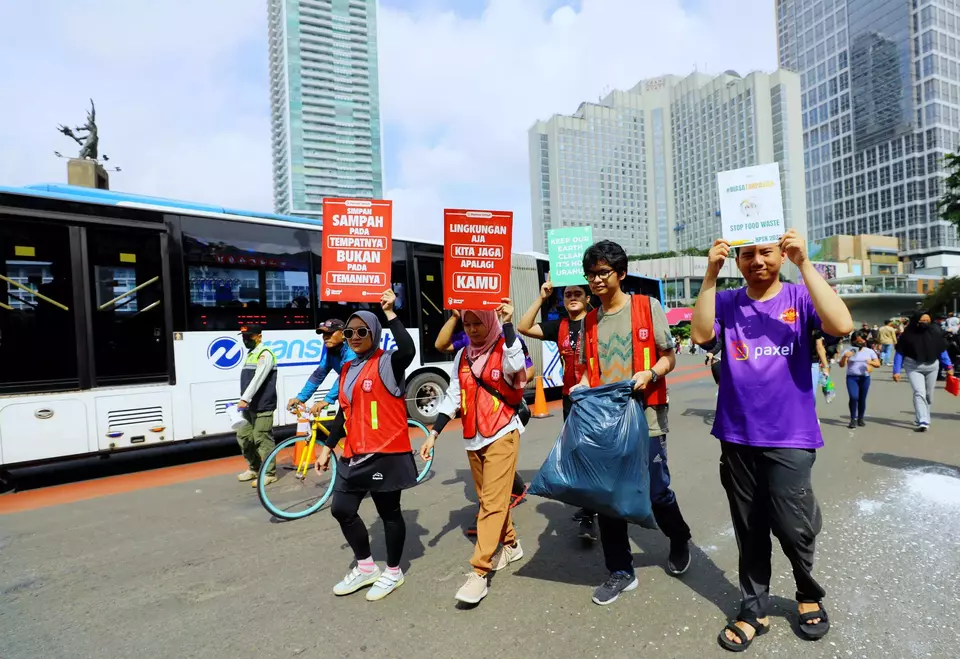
(761,340)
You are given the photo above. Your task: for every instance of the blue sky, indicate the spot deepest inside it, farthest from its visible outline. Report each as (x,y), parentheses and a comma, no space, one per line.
(182,95)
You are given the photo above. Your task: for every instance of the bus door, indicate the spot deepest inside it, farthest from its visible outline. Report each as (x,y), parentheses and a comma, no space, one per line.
(128,315)
(429,270)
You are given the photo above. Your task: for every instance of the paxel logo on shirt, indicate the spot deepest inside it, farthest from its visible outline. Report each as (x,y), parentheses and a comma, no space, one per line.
(741,351)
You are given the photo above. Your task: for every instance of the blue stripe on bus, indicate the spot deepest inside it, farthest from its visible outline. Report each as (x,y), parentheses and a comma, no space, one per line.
(316,363)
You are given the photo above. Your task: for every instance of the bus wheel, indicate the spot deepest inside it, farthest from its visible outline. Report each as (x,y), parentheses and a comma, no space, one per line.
(424,393)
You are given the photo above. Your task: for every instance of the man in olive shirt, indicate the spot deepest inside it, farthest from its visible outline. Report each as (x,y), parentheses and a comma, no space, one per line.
(604,267)
(888,339)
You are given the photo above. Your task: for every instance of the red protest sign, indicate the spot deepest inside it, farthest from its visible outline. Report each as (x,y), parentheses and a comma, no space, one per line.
(476,264)
(357,249)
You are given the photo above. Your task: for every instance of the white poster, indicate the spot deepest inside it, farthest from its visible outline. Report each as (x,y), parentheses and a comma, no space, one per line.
(751,205)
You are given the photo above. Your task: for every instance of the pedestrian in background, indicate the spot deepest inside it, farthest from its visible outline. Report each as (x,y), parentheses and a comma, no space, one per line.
(919,350)
(859,360)
(888,339)
(258,402)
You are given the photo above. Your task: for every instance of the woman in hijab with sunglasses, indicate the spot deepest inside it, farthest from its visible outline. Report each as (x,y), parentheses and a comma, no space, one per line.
(377,456)
(919,349)
(487,390)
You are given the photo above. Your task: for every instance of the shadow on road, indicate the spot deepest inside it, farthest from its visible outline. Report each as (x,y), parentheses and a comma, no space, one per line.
(706,415)
(906,463)
(413,547)
(462,518)
(895,423)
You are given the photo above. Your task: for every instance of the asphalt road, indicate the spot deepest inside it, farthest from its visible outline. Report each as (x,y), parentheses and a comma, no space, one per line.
(183,561)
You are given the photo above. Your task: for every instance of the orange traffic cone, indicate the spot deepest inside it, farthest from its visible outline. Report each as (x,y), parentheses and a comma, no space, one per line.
(539,410)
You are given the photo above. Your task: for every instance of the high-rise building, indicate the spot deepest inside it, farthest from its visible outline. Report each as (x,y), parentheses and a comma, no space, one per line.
(325,102)
(640,166)
(881,106)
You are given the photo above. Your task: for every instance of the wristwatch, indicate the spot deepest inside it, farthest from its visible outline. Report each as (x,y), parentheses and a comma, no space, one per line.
(653,376)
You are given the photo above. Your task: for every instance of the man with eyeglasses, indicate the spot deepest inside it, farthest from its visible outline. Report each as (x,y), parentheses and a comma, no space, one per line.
(337,354)
(628,338)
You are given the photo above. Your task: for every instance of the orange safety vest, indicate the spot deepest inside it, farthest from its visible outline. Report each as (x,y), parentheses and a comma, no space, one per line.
(375,419)
(573,366)
(645,352)
(481,411)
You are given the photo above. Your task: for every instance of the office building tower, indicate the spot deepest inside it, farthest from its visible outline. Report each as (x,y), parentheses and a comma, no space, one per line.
(640,165)
(325,102)
(881,107)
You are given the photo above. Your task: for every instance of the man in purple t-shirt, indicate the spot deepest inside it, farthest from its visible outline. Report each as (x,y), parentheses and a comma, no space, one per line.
(766,419)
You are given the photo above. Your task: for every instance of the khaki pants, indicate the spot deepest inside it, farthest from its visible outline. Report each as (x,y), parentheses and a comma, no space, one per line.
(256,439)
(493,467)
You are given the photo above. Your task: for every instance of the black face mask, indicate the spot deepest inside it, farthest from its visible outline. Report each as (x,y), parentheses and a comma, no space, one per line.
(249,344)
(923,325)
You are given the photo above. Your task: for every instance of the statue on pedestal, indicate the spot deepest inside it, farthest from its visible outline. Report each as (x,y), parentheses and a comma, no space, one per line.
(90,142)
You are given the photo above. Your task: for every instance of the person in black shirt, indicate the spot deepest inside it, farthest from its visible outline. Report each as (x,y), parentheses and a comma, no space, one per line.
(565,332)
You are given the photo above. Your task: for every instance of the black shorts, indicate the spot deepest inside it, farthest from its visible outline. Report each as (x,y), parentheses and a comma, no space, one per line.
(382,472)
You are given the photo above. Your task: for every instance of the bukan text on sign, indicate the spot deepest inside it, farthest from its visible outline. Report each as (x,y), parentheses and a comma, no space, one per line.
(476,266)
(357,249)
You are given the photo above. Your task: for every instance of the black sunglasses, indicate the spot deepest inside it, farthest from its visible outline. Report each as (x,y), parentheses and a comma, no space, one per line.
(360,333)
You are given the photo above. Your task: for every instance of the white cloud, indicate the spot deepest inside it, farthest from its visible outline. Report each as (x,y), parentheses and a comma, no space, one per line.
(180,88)
(462,93)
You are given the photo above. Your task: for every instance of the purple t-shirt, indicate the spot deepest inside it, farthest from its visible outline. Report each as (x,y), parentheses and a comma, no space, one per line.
(766,394)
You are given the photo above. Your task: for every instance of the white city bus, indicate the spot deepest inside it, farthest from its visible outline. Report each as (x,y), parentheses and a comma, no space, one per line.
(119,317)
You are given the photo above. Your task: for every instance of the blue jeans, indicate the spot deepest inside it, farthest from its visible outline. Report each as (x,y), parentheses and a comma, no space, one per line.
(886,354)
(613,532)
(857,388)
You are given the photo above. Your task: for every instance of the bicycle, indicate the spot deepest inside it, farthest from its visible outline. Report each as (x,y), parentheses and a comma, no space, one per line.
(299,490)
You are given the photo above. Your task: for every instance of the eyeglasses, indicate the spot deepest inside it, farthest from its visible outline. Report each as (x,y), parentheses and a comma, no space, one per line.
(603,274)
(360,333)
(327,335)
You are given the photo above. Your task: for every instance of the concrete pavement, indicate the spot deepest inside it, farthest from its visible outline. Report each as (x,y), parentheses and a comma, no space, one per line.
(194,567)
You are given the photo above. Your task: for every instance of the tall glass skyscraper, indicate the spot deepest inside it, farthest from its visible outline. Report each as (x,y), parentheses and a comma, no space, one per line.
(325,102)
(881,107)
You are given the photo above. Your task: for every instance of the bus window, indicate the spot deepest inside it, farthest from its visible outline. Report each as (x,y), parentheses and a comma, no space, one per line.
(38,345)
(127,311)
(240,273)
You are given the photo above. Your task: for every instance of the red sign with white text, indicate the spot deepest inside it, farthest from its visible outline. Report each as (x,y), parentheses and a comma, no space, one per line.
(357,249)
(476,264)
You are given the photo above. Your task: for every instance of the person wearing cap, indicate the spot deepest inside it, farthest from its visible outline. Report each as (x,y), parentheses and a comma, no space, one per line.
(337,354)
(258,402)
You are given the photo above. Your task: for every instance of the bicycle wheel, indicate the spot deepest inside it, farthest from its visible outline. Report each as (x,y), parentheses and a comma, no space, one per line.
(295,494)
(416,439)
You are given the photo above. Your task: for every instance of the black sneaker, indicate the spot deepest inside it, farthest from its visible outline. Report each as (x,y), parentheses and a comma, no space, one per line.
(861,423)
(586,528)
(616,583)
(852,424)
(679,560)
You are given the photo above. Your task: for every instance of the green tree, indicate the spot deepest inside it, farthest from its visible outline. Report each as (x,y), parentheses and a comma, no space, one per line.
(941,300)
(680,331)
(949,203)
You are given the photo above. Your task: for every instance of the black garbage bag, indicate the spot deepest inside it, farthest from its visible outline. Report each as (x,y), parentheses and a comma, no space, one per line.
(600,460)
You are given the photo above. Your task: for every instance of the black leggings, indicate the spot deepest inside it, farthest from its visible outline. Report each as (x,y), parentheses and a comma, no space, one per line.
(344,509)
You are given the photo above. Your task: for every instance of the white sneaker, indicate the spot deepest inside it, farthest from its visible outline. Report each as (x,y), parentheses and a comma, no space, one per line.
(355,580)
(506,555)
(474,590)
(248,475)
(386,584)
